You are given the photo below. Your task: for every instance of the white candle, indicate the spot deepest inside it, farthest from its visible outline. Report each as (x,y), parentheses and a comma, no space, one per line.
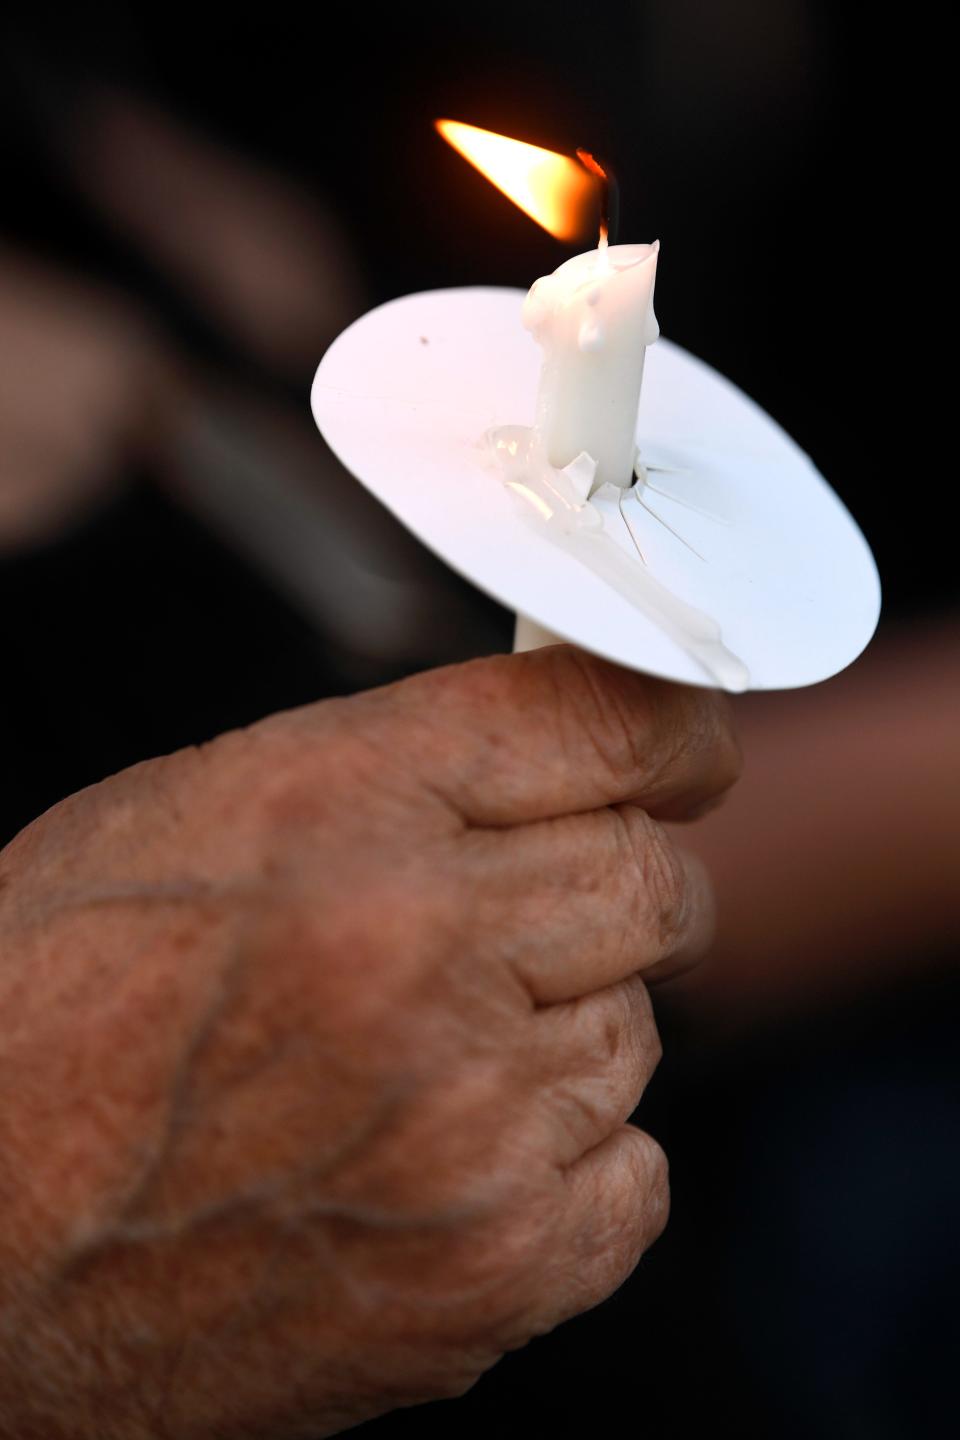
(594,319)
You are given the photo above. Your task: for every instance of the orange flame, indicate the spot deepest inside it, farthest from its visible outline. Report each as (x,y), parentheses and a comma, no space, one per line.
(588,162)
(552,189)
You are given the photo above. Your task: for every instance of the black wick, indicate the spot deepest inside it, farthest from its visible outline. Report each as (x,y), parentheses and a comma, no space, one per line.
(609,196)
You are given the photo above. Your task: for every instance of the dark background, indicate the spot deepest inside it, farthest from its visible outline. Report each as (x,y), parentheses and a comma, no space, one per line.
(786,155)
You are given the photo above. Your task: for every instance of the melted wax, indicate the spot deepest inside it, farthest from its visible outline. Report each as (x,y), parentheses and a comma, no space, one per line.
(557,503)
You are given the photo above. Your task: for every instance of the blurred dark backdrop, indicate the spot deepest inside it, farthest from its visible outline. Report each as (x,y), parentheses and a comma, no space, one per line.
(193,206)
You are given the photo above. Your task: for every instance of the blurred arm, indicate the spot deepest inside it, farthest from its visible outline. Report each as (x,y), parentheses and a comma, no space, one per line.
(837,858)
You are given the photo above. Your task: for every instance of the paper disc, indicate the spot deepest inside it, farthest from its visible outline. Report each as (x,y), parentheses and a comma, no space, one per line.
(735,520)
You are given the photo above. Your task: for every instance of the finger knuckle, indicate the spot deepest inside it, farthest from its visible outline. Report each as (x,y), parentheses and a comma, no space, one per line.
(646,1158)
(665,881)
(653,1162)
(633,1025)
(471,700)
(658,1196)
(705,726)
(646,1036)
(649,1172)
(616,1024)
(481,686)
(629,1212)
(638,997)
(658,873)
(596,706)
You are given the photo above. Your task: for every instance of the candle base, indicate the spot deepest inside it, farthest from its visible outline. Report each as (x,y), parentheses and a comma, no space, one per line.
(528,635)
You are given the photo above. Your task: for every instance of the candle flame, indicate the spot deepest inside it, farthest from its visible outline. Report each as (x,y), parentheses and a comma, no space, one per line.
(553,189)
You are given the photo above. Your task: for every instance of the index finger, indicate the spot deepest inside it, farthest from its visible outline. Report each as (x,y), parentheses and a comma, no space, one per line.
(518,738)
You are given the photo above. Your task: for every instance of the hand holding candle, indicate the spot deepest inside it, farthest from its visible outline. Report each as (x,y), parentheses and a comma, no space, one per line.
(390,964)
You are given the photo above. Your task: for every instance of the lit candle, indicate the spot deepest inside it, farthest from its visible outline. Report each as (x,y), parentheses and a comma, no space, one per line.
(594,319)
(778,569)
(593,316)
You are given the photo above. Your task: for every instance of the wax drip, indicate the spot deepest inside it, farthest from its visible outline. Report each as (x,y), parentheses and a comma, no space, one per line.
(558,504)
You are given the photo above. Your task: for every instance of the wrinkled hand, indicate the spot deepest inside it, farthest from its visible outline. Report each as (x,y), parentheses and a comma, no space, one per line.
(317,1045)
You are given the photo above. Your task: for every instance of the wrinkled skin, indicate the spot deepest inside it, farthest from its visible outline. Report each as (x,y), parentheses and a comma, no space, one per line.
(317,1045)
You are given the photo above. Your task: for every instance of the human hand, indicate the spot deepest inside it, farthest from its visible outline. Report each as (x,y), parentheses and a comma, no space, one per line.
(318,1043)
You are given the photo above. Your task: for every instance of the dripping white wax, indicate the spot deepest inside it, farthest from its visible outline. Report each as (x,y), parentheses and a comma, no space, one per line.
(594,319)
